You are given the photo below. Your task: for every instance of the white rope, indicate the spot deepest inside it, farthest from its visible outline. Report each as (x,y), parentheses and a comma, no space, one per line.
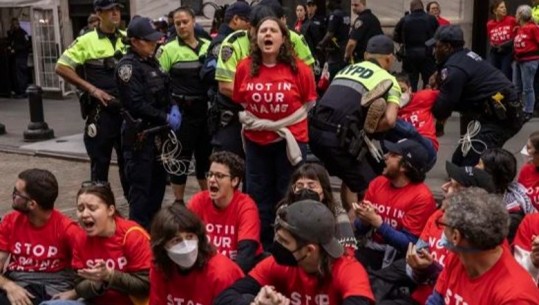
(468,142)
(170,149)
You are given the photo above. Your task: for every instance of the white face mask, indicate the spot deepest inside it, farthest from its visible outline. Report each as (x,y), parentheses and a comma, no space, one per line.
(525,155)
(405,98)
(184,254)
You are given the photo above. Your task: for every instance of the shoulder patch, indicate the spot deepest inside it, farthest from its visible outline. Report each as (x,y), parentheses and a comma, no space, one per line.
(234,36)
(226,53)
(443,74)
(159,52)
(358,24)
(215,50)
(124,72)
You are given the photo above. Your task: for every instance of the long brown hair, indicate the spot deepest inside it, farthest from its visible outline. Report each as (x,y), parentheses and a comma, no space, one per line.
(286,54)
(166,225)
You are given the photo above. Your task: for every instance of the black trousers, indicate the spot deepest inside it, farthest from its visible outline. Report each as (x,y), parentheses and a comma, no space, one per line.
(99,148)
(419,65)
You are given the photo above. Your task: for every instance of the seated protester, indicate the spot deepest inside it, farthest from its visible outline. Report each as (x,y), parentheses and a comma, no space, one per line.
(479,270)
(415,119)
(526,245)
(186,268)
(311,181)
(113,258)
(307,264)
(502,165)
(396,207)
(529,174)
(426,259)
(38,241)
(231,217)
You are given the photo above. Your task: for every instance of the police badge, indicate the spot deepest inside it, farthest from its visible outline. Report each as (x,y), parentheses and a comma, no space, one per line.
(124,72)
(215,50)
(226,53)
(358,24)
(443,75)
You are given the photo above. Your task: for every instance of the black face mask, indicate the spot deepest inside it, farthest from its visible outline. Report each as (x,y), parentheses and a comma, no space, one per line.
(282,255)
(305,194)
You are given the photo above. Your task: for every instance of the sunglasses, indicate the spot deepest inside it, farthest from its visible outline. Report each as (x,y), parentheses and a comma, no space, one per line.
(105,184)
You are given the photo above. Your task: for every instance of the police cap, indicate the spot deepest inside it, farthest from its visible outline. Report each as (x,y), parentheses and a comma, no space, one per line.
(106,4)
(239,8)
(447,33)
(142,28)
(380,44)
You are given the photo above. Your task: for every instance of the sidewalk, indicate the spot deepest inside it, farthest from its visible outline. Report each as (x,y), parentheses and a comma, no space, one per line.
(63,117)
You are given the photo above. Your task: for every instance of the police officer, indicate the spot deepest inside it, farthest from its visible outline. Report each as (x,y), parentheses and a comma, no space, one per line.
(337,119)
(19,45)
(478,91)
(413,30)
(145,95)
(234,48)
(364,27)
(89,64)
(236,18)
(183,58)
(535,11)
(334,42)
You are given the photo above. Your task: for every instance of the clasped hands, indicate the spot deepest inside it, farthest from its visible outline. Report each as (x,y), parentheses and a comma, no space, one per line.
(366,212)
(269,296)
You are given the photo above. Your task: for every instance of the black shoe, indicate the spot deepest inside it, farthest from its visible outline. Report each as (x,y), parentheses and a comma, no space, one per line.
(527,116)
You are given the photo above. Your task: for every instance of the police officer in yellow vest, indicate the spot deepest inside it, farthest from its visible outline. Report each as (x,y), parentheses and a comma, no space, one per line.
(182,58)
(535,11)
(89,64)
(331,125)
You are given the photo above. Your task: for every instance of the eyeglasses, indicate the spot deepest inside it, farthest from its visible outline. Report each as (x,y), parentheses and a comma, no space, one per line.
(105,184)
(217,175)
(310,186)
(16,194)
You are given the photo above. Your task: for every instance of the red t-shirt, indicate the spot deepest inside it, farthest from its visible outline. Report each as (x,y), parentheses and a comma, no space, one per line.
(133,256)
(526,44)
(506,283)
(407,207)
(529,178)
(348,279)
(198,287)
(442,21)
(528,228)
(432,235)
(501,31)
(226,228)
(44,249)
(418,113)
(274,94)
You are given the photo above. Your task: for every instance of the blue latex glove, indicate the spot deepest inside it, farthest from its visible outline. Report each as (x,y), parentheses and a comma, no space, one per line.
(174,118)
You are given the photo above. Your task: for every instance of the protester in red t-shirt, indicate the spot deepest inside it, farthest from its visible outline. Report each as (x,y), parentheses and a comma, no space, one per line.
(276,90)
(396,206)
(427,257)
(186,268)
(307,266)
(301,13)
(526,245)
(529,174)
(501,31)
(38,241)
(230,216)
(433,8)
(311,181)
(113,258)
(479,270)
(527,58)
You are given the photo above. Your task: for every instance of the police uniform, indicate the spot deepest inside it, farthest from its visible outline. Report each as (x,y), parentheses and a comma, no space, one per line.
(535,14)
(336,114)
(234,48)
(145,95)
(365,26)
(479,91)
(183,64)
(339,24)
(95,55)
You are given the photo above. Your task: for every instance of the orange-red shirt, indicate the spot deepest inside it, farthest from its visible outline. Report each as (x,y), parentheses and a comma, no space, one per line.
(500,32)
(418,113)
(529,178)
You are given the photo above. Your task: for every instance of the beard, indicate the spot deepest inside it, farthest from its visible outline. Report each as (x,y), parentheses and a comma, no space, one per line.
(21,207)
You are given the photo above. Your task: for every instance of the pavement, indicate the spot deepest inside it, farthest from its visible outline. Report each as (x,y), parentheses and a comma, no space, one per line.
(65,155)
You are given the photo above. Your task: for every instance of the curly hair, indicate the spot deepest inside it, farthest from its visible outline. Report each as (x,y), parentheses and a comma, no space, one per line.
(480,217)
(235,164)
(170,221)
(286,54)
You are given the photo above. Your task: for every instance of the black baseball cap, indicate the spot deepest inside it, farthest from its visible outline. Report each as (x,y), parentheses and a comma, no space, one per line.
(310,2)
(238,8)
(313,222)
(380,44)
(106,4)
(447,33)
(411,151)
(143,28)
(468,176)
